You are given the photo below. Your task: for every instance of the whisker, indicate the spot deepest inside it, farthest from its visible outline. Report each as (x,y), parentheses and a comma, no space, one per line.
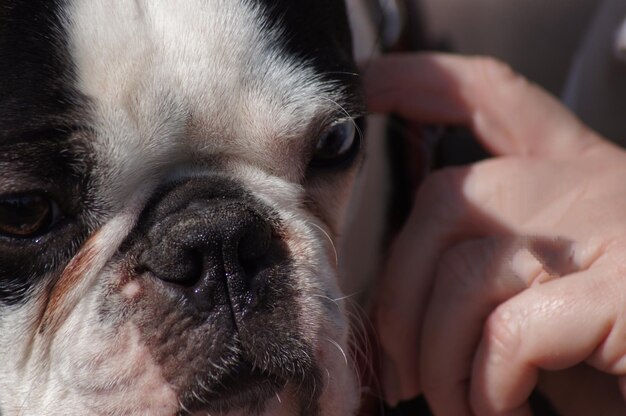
(343,353)
(183,408)
(355,74)
(347,297)
(313,392)
(343,110)
(332,243)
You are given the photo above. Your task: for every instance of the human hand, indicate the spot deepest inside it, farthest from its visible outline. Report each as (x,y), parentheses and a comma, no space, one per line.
(509,266)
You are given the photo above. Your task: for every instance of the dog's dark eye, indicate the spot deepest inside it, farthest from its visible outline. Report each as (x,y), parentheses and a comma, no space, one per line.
(27,215)
(338,145)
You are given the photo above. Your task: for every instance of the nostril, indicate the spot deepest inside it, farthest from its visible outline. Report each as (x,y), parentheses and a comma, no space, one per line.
(253,248)
(192,268)
(182,267)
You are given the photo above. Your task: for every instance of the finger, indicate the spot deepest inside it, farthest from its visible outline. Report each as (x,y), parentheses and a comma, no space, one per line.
(446,211)
(407,281)
(440,218)
(509,115)
(548,326)
(473,278)
(452,205)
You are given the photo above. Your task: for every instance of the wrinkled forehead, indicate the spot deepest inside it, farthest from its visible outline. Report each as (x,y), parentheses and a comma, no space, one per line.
(222,70)
(203,75)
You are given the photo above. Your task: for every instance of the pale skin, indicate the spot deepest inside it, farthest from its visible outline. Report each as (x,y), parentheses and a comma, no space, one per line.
(510,274)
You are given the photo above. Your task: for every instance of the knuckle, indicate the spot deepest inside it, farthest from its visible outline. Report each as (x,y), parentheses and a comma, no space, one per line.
(494,69)
(456,268)
(610,354)
(501,333)
(492,74)
(441,191)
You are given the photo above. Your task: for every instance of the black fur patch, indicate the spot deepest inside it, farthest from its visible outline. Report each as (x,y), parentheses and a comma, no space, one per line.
(37,124)
(318,31)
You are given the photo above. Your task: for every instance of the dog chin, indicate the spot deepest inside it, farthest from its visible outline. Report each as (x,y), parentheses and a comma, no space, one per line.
(136,387)
(113,372)
(132,383)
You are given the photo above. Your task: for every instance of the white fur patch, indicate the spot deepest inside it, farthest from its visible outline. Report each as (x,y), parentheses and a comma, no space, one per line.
(171,81)
(76,365)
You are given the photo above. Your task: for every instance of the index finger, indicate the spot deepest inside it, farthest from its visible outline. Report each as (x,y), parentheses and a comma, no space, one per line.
(509,115)
(551,326)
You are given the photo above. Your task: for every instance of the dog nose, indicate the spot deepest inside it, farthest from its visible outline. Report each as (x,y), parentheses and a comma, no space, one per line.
(213,252)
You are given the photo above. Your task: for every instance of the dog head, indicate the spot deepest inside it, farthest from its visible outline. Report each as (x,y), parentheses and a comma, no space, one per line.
(173,178)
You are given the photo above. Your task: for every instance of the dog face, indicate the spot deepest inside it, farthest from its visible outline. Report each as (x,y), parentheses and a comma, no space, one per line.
(173,176)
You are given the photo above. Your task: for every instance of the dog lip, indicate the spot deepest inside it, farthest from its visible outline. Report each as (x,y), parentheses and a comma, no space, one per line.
(249,388)
(244,386)
(244,375)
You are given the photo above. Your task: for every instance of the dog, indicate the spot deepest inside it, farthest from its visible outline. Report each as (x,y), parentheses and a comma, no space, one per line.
(174,177)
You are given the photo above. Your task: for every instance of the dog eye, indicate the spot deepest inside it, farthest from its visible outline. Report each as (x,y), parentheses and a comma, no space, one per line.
(338,145)
(27,215)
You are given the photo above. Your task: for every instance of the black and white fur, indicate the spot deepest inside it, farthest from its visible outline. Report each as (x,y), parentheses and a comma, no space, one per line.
(156,127)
